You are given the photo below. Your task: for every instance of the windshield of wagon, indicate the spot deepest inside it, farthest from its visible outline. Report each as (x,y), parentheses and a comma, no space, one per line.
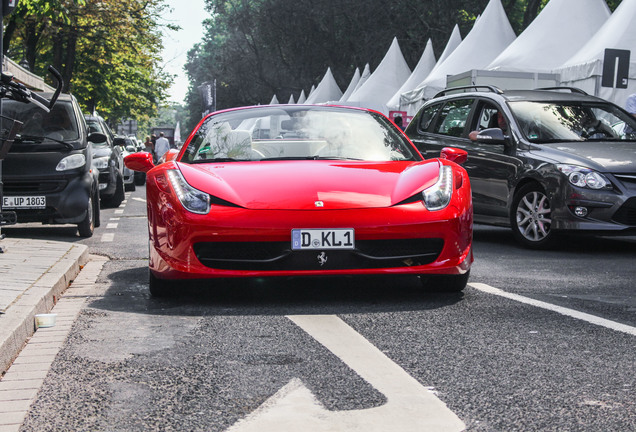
(39,126)
(545,122)
(298,132)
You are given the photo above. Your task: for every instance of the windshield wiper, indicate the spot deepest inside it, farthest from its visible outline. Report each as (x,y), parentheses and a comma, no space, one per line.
(39,139)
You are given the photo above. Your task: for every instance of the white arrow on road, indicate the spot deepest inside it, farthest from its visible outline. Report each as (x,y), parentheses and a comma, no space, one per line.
(410,406)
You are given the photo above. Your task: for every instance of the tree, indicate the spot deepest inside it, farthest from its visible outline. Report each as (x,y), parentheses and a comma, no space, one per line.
(107,51)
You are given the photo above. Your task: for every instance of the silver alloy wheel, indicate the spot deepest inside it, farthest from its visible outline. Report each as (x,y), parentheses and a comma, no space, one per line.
(533,216)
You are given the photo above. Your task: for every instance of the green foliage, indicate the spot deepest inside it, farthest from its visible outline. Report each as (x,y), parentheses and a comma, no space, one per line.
(107,51)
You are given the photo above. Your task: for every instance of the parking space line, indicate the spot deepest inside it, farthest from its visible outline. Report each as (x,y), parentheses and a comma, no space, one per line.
(592,319)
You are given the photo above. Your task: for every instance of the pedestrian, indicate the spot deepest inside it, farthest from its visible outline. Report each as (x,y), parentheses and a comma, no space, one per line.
(161,146)
(399,122)
(149,146)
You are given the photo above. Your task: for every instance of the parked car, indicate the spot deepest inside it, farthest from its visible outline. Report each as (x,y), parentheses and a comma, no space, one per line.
(109,160)
(127,147)
(48,175)
(304,190)
(553,165)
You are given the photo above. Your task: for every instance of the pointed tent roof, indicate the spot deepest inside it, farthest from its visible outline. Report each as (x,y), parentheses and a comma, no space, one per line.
(352,85)
(454,41)
(388,77)
(327,90)
(302,98)
(274,101)
(291,99)
(490,35)
(366,73)
(570,22)
(421,71)
(586,64)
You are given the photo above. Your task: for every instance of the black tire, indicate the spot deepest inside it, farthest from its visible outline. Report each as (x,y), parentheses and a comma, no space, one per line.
(140,178)
(158,287)
(530,217)
(118,196)
(86,228)
(130,187)
(97,217)
(446,283)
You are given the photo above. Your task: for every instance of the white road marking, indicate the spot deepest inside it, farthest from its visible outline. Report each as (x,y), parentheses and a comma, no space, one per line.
(112,225)
(139,199)
(108,237)
(592,319)
(119,211)
(410,406)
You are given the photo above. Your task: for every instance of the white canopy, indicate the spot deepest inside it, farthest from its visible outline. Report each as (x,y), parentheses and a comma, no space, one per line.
(274,101)
(490,35)
(366,73)
(352,85)
(585,68)
(421,71)
(302,98)
(556,34)
(291,99)
(454,41)
(327,90)
(390,74)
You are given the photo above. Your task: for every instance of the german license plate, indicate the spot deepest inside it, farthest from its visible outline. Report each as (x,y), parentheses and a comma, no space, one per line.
(24,202)
(333,238)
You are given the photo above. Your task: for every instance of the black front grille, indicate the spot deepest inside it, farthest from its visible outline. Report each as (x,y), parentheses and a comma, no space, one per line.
(626,178)
(626,215)
(33,187)
(279,256)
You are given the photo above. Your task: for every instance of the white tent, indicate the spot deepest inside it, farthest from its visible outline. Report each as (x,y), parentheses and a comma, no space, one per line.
(556,34)
(421,71)
(585,68)
(327,90)
(364,76)
(302,98)
(388,77)
(291,99)
(490,35)
(454,41)
(274,101)
(352,85)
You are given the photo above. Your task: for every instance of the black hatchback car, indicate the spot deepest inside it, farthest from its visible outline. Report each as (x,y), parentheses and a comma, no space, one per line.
(48,175)
(543,162)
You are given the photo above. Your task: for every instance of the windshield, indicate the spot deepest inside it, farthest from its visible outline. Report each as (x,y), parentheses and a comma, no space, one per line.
(298,132)
(545,122)
(59,125)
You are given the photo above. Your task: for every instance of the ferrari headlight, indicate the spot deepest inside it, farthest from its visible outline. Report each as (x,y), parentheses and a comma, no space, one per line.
(439,195)
(71,162)
(100,162)
(585,177)
(192,199)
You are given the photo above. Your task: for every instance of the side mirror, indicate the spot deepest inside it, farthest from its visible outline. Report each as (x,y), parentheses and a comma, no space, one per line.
(97,137)
(491,136)
(453,154)
(139,161)
(119,142)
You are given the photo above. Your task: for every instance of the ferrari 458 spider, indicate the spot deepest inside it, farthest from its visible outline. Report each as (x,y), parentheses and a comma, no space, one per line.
(304,190)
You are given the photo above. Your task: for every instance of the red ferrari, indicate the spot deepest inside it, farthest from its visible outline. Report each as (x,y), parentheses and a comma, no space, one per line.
(304,190)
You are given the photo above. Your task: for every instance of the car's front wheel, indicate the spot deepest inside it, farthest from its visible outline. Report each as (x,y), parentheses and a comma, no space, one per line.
(531,217)
(158,287)
(86,227)
(446,283)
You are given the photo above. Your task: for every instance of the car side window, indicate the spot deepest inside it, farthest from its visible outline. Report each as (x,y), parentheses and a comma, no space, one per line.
(427,116)
(487,117)
(453,117)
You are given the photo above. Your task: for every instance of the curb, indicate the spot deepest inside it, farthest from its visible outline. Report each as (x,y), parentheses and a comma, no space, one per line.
(19,320)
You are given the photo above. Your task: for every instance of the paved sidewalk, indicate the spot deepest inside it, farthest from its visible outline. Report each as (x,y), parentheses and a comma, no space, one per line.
(33,274)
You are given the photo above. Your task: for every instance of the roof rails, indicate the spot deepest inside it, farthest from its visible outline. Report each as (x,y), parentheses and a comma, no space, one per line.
(571,89)
(490,88)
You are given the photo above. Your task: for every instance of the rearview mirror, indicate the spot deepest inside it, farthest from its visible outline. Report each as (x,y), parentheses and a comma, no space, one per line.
(453,154)
(139,161)
(491,136)
(97,138)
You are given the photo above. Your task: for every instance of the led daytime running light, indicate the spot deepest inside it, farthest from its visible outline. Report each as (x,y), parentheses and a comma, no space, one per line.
(192,199)
(439,195)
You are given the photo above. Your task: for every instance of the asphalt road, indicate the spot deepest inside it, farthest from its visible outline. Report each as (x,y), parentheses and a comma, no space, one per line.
(206,360)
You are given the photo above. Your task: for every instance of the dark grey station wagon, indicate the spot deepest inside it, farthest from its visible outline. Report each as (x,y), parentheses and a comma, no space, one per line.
(543,162)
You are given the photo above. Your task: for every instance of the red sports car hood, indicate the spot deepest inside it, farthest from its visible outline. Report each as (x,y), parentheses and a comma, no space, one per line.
(303,185)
